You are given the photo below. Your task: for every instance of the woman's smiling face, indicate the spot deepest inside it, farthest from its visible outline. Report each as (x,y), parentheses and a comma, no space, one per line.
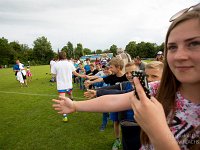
(183,51)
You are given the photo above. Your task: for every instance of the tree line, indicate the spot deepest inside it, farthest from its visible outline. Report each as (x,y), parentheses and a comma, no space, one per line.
(42,51)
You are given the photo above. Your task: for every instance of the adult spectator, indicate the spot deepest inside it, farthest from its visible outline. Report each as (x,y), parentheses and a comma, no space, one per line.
(159,56)
(16,68)
(121,54)
(139,62)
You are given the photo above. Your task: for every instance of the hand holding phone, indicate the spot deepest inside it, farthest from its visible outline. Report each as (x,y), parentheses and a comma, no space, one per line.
(143,80)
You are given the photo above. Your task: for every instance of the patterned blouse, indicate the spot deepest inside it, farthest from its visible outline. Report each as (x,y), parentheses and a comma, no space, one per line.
(185,121)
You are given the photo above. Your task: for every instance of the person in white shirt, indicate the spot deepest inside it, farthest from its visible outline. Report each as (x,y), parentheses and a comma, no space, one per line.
(63,69)
(52,63)
(22,73)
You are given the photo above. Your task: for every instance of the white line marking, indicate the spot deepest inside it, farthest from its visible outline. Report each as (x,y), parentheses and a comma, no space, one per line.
(32,94)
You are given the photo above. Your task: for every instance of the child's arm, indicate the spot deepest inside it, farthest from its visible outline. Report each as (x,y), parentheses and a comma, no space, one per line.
(107,103)
(95,81)
(78,74)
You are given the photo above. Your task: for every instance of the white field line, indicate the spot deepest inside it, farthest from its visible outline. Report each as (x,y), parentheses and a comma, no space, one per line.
(33,94)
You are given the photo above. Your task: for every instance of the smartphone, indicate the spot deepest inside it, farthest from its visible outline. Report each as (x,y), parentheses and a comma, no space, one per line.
(143,80)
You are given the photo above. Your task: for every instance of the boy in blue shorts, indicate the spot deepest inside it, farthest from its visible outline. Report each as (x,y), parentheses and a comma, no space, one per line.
(63,70)
(116,66)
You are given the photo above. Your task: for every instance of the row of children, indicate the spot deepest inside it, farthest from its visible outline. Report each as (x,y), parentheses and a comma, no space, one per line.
(153,72)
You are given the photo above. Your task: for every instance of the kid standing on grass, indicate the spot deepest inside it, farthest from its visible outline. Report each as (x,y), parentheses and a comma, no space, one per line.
(63,70)
(81,80)
(28,74)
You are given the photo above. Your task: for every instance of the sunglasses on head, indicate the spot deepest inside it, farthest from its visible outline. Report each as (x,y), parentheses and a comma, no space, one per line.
(180,13)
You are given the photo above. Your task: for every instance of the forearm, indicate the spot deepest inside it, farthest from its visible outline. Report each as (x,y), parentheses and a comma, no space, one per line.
(93,77)
(78,75)
(97,80)
(107,103)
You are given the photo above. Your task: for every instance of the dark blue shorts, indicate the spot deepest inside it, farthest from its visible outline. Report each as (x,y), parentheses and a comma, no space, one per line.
(114,116)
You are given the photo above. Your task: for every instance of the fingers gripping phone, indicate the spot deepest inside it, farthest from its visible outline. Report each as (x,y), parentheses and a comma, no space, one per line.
(143,80)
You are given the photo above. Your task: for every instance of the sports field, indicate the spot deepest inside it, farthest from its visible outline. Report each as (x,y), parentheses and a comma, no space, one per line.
(28,122)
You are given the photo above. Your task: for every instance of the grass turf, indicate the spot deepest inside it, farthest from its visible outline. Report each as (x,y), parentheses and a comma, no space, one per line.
(27,120)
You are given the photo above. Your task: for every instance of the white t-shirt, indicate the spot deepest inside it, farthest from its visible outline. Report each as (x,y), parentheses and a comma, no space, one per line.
(100,74)
(52,63)
(63,70)
(21,67)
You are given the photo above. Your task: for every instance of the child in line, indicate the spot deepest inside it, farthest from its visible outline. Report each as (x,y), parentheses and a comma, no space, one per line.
(28,74)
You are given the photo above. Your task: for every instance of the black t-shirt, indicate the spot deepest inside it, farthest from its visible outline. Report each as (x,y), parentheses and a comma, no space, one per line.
(92,72)
(113,79)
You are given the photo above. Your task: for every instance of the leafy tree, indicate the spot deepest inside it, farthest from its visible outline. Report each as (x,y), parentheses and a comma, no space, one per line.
(79,51)
(42,50)
(146,50)
(106,51)
(87,51)
(69,50)
(6,52)
(26,52)
(19,51)
(16,46)
(99,51)
(113,49)
(131,49)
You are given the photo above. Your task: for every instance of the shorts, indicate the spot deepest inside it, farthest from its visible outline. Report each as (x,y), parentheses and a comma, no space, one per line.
(24,76)
(114,116)
(68,91)
(129,115)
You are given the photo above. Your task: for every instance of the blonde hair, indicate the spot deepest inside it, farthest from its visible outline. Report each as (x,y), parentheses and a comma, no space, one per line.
(117,62)
(154,65)
(132,63)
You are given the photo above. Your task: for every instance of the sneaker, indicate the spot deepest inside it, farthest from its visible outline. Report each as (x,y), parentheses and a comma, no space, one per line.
(65,119)
(102,128)
(116,144)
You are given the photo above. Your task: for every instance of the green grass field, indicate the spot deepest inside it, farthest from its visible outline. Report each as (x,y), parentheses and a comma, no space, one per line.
(28,122)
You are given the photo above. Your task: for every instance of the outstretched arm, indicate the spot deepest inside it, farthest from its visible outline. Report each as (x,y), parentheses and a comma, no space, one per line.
(79,75)
(107,103)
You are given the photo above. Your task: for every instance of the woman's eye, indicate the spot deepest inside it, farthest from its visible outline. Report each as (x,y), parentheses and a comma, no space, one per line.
(194,44)
(171,48)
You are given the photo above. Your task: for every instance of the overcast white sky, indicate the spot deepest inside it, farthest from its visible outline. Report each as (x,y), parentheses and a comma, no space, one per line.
(97,24)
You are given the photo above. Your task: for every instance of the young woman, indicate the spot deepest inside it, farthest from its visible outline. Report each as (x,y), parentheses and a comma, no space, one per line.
(172,119)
